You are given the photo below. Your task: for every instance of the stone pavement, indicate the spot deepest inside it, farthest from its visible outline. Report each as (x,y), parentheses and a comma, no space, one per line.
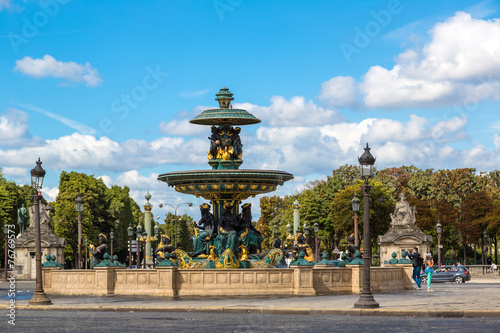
(477,298)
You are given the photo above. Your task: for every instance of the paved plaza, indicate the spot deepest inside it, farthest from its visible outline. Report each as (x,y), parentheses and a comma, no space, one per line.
(478,298)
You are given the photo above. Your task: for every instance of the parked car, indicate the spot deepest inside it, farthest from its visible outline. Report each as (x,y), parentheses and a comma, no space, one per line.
(458,274)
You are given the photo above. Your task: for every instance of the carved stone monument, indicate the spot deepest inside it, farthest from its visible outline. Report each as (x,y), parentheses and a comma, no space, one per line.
(51,244)
(404,234)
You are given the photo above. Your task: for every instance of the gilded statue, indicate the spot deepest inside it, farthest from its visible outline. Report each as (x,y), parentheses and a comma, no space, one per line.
(250,237)
(205,238)
(228,232)
(164,247)
(215,141)
(302,246)
(98,253)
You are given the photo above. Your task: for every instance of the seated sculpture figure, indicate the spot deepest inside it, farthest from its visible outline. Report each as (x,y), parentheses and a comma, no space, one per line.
(228,232)
(251,237)
(302,246)
(164,247)
(98,253)
(204,239)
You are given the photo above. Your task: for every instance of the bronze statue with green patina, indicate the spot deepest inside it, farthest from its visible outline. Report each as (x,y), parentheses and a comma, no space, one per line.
(163,248)
(251,237)
(204,239)
(22,218)
(228,232)
(98,253)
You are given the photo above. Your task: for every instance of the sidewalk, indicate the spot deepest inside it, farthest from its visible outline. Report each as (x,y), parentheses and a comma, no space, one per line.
(477,298)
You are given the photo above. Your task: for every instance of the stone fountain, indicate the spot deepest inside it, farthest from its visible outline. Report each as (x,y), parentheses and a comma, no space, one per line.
(225,185)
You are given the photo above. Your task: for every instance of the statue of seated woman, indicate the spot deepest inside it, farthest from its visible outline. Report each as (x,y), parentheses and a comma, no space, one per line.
(302,246)
(164,247)
(251,237)
(98,253)
(204,239)
(228,232)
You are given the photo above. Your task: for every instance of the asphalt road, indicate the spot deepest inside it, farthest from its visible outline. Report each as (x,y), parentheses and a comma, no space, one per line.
(95,322)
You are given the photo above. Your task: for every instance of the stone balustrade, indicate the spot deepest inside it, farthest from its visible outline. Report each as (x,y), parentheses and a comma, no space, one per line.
(172,281)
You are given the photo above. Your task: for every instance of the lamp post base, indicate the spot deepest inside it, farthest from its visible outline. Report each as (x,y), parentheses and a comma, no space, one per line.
(366,301)
(39,298)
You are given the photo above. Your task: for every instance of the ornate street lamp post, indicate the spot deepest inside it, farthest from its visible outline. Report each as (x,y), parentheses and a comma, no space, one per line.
(355,208)
(366,300)
(439,230)
(79,203)
(112,237)
(144,239)
(316,243)
(139,235)
(288,231)
(336,249)
(190,204)
(156,238)
(483,253)
(306,232)
(6,238)
(37,174)
(130,231)
(86,252)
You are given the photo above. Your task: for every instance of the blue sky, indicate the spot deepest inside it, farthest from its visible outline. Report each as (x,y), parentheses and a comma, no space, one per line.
(107,87)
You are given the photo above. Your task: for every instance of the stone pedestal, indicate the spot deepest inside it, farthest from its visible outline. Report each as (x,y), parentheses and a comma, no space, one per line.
(303,280)
(404,234)
(166,280)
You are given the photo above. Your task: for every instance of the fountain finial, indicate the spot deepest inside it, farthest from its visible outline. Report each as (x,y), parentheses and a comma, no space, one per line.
(224,97)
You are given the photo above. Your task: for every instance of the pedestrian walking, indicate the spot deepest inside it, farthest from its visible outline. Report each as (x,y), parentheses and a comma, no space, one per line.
(429,263)
(417,262)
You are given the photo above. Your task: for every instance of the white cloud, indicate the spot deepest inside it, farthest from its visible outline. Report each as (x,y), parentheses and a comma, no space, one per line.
(294,112)
(79,151)
(181,127)
(51,193)
(339,91)
(14,129)
(48,66)
(459,65)
(496,141)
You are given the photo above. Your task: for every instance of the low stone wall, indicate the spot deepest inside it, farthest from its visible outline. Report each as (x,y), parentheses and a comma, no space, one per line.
(171,281)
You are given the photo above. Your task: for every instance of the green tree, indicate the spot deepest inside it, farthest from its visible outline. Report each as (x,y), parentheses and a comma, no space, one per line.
(95,216)
(381,205)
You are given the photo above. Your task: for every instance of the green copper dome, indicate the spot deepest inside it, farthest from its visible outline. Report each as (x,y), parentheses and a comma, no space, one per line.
(225,114)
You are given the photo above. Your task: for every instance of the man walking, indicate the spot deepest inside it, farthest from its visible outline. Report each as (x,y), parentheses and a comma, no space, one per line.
(417,262)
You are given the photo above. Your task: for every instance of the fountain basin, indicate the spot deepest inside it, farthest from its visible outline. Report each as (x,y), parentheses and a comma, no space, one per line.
(221,184)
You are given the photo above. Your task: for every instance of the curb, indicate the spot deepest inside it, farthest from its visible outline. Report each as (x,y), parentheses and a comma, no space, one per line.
(275,311)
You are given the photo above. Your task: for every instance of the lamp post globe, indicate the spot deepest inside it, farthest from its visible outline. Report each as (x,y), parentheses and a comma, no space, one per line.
(37,175)
(355,203)
(366,162)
